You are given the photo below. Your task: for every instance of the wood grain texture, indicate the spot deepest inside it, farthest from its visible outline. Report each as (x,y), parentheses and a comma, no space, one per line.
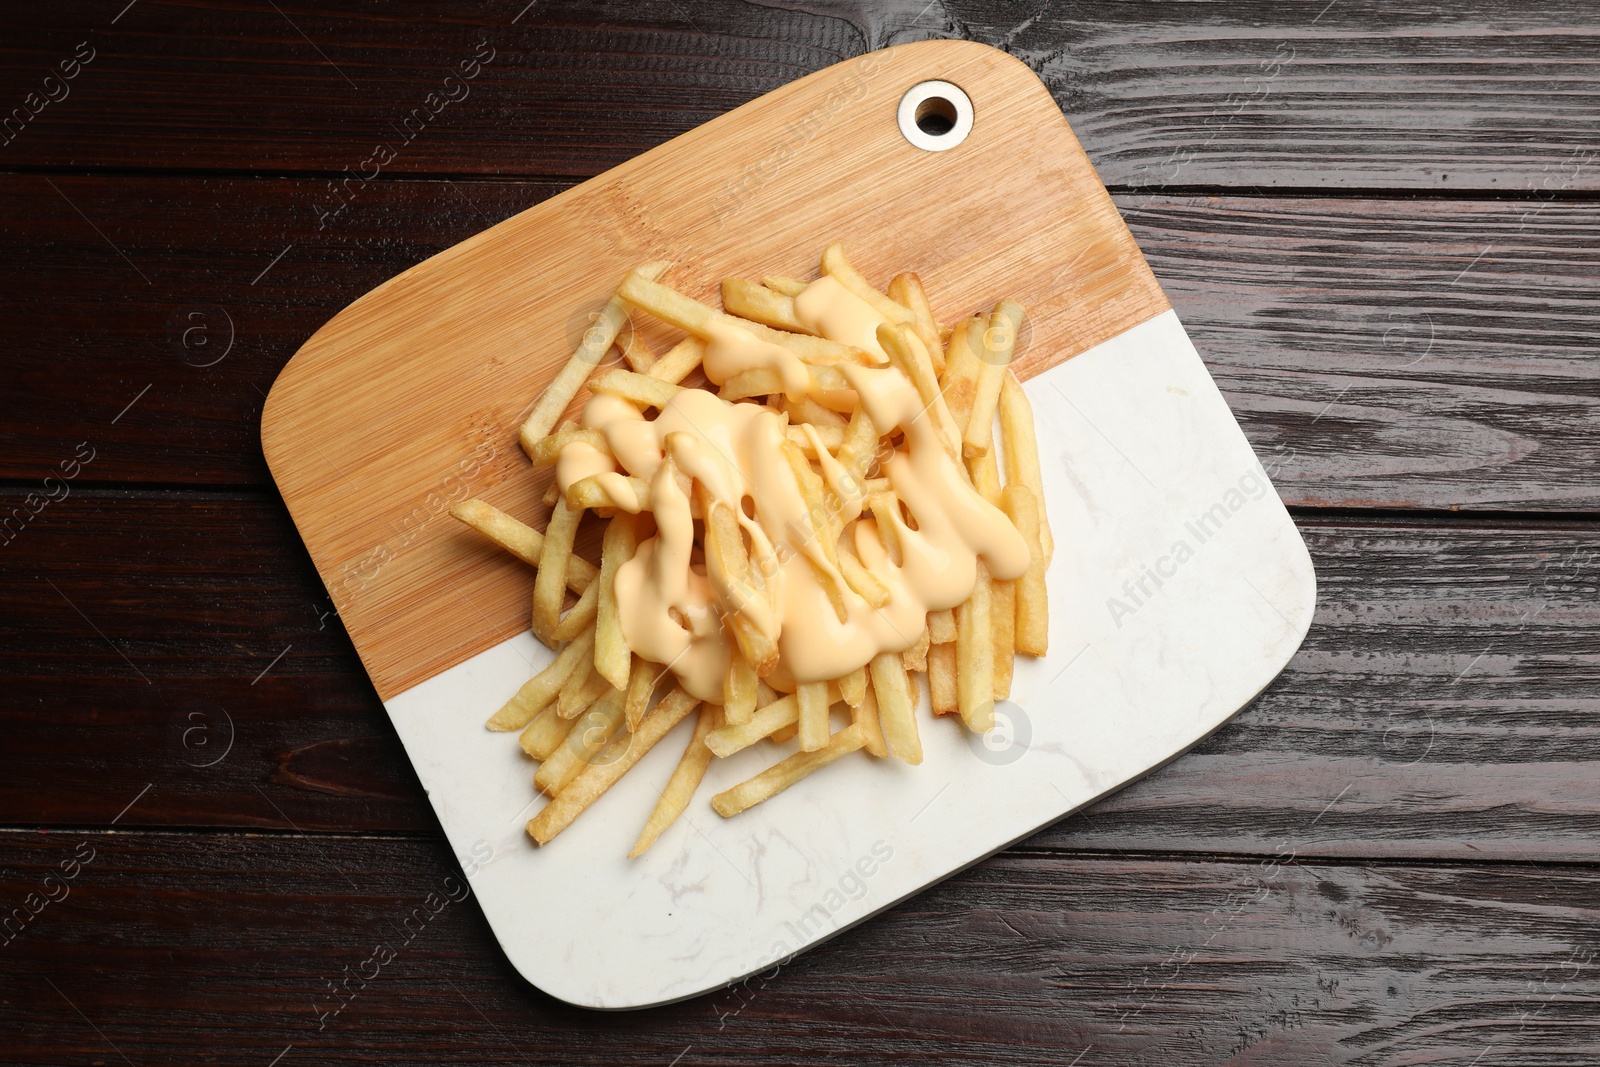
(1358,371)
(1363,94)
(1442,707)
(402,404)
(159,949)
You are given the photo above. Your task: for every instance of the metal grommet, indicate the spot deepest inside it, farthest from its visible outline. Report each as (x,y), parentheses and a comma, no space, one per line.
(935,115)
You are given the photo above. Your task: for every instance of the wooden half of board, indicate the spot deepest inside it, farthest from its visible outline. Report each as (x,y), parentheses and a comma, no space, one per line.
(409,400)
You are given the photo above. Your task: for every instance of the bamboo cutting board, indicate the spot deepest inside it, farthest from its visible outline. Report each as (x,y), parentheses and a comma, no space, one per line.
(409,400)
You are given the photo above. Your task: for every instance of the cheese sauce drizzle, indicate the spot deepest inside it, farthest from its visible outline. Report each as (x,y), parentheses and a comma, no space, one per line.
(667,604)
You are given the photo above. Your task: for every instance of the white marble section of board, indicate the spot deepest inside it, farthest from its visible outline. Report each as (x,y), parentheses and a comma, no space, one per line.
(1180,587)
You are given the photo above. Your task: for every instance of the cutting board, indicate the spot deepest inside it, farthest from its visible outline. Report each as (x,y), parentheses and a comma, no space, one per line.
(1178,590)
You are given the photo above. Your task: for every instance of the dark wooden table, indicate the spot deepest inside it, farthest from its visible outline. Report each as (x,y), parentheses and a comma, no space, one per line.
(1378,222)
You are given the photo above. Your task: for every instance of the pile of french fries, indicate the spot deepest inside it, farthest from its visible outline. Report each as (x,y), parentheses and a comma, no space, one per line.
(598,708)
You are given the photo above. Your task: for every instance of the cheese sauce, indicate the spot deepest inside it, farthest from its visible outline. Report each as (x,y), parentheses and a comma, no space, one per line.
(667,602)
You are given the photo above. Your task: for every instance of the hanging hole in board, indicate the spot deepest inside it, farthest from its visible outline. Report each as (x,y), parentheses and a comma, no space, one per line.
(935,115)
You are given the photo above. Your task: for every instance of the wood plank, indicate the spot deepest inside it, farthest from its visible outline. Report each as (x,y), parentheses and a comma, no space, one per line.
(1357,95)
(165,952)
(1443,705)
(1361,374)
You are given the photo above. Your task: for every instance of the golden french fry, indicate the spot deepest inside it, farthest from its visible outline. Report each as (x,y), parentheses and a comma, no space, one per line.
(1003,626)
(908,356)
(550,585)
(1021,447)
(739,691)
(684,781)
(537,692)
(859,578)
(746,612)
(611,655)
(589,735)
(812,699)
(1033,607)
(641,686)
(859,447)
(942,626)
(727,740)
(831,438)
(999,345)
(780,776)
(756,302)
(915,658)
(583,688)
(896,712)
(680,361)
(985,474)
(520,540)
(597,340)
(634,350)
(580,616)
(807,410)
(610,764)
(853,687)
(609,490)
(907,291)
(865,715)
(764,381)
(835,264)
(959,383)
(639,389)
(942,678)
(787,286)
(974,667)
(688,314)
(548,449)
(543,734)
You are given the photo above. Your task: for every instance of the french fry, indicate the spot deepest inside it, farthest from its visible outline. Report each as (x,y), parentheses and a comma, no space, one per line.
(580,616)
(835,264)
(896,713)
(641,686)
(974,647)
(680,361)
(603,771)
(812,701)
(764,381)
(859,447)
(520,540)
(588,735)
(684,781)
(959,383)
(583,688)
(639,389)
(786,286)
(859,578)
(784,734)
(611,655)
(832,439)
(780,776)
(1021,447)
(608,491)
(911,359)
(759,304)
(691,316)
(907,291)
(746,612)
(727,740)
(548,449)
(550,584)
(942,626)
(807,410)
(985,474)
(865,715)
(537,692)
(1000,342)
(634,350)
(597,340)
(739,691)
(853,687)
(1003,626)
(942,678)
(915,658)
(1033,608)
(541,736)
